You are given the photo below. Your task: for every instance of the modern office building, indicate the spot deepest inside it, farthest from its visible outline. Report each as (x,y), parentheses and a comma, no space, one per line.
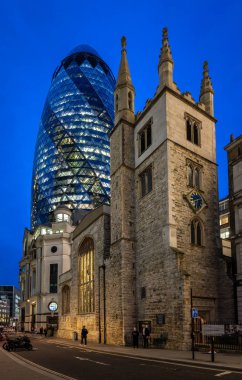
(224,222)
(234,153)
(72,155)
(13,294)
(4,311)
(71,175)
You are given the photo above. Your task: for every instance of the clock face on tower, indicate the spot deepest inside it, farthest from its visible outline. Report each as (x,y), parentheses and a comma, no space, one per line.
(196,200)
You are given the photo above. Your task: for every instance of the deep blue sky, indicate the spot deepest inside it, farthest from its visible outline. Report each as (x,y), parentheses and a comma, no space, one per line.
(36,35)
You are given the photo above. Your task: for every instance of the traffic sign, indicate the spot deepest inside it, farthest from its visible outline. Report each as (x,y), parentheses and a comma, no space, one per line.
(194,312)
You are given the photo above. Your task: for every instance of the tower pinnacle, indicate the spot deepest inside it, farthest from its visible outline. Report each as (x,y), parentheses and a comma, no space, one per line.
(124,92)
(206,85)
(165,66)
(124,73)
(206,91)
(165,54)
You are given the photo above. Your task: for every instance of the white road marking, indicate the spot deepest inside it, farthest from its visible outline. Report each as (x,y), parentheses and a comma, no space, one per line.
(89,360)
(224,373)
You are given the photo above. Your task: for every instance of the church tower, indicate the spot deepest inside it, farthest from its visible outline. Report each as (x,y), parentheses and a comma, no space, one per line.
(121,265)
(176,204)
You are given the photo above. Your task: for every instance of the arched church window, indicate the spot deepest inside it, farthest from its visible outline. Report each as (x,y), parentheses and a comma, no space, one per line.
(65,300)
(196,232)
(86,276)
(193,129)
(195,134)
(189,131)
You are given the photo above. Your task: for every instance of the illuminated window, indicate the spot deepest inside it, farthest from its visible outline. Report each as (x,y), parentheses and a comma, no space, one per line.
(86,276)
(224,219)
(225,233)
(62,218)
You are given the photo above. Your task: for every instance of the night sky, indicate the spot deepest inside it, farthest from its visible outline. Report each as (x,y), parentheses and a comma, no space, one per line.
(36,35)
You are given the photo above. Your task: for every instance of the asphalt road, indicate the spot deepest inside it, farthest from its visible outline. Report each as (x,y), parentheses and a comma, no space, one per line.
(84,364)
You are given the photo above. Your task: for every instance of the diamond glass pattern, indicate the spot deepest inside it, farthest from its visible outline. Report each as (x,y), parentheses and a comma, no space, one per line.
(72,155)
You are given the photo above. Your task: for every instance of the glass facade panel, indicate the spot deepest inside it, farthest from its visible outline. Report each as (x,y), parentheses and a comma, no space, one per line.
(72,155)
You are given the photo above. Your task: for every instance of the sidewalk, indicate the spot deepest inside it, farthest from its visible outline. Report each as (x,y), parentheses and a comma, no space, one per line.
(232,361)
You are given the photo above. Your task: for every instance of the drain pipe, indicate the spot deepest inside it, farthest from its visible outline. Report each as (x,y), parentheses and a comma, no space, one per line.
(104,304)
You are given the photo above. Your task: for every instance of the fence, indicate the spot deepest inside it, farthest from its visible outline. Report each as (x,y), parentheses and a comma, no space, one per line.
(227,335)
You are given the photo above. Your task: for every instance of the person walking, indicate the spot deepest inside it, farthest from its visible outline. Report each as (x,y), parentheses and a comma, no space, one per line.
(135,335)
(84,333)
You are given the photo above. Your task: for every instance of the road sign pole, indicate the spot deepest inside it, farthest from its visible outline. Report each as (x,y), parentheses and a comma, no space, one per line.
(192,333)
(212,349)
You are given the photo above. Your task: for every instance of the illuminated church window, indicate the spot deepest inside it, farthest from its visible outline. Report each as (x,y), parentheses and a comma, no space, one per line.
(86,276)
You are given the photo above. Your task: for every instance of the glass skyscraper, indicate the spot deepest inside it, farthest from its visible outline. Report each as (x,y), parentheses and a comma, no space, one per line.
(72,155)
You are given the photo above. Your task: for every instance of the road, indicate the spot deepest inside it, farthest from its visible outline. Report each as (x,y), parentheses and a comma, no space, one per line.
(86,364)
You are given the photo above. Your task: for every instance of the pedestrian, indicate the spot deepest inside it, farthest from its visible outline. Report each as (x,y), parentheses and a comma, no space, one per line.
(146,334)
(84,335)
(45,331)
(135,335)
(41,330)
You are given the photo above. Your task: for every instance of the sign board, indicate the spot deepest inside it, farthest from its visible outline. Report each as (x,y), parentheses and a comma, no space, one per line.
(213,330)
(194,312)
(160,319)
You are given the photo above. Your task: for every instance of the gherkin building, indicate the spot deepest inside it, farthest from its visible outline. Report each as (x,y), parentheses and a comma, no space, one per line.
(72,154)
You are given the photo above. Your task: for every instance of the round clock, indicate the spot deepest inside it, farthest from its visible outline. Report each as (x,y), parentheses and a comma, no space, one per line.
(52,306)
(196,200)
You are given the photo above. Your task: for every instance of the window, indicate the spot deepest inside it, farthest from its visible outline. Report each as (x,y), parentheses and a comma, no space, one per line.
(53,278)
(224,219)
(193,130)
(225,233)
(196,232)
(146,181)
(223,205)
(86,277)
(66,300)
(194,175)
(130,100)
(62,217)
(145,137)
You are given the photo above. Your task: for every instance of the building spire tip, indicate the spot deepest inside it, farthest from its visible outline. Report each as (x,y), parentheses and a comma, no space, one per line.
(205,66)
(165,32)
(123,42)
